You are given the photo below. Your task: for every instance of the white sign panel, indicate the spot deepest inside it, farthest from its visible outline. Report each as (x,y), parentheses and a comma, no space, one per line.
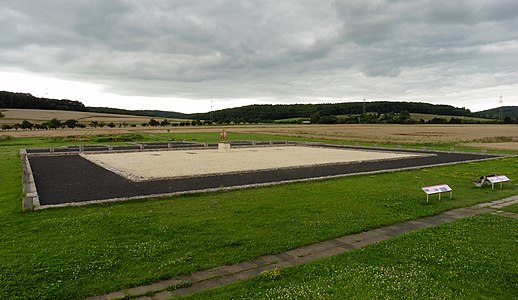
(497,179)
(442,188)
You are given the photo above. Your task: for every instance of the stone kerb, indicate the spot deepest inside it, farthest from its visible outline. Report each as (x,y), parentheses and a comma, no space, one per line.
(30,200)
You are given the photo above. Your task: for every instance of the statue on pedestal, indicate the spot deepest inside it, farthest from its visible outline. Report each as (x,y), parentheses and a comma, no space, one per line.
(223,135)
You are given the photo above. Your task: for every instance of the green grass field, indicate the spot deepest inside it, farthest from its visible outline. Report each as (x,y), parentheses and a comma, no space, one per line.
(511,208)
(71,253)
(472,258)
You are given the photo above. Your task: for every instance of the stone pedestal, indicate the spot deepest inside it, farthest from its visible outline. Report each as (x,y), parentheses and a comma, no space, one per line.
(224,147)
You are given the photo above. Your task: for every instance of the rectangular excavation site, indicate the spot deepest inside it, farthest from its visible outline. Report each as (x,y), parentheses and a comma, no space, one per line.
(152,165)
(78,178)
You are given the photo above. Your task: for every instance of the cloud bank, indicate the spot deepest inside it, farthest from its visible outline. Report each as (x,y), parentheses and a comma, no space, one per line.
(457,52)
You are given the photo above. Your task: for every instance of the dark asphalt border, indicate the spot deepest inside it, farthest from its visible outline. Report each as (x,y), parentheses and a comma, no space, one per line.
(65,180)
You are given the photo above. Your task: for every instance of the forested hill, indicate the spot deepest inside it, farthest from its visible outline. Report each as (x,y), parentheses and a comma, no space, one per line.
(28,101)
(507,111)
(251,113)
(25,100)
(149,113)
(268,113)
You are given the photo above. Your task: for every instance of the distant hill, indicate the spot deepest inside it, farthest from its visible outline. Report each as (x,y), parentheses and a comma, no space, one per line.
(149,113)
(269,113)
(39,116)
(25,100)
(507,111)
(348,112)
(28,101)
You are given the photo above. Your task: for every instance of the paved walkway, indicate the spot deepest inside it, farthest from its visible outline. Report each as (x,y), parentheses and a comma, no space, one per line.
(223,275)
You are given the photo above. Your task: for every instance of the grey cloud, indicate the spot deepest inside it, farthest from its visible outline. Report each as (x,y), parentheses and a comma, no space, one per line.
(275,49)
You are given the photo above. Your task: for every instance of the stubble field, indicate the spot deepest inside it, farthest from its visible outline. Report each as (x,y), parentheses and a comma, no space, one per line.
(485,136)
(40,115)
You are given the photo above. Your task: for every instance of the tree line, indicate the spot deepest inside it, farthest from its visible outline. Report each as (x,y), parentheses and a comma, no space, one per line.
(500,112)
(392,118)
(28,101)
(329,113)
(270,113)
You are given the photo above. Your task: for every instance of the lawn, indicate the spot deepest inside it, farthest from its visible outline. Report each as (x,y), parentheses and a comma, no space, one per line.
(71,253)
(511,208)
(472,258)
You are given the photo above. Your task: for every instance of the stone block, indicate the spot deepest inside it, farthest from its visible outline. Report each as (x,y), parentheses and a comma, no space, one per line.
(27,203)
(224,147)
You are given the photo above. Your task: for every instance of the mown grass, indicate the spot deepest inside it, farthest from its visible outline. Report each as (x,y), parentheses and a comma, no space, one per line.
(70,253)
(472,258)
(233,136)
(511,208)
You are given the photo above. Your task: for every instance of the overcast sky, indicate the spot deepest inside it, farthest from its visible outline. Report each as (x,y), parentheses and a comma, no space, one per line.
(177,55)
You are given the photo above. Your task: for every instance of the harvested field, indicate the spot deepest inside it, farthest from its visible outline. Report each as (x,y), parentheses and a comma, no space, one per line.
(39,116)
(499,146)
(399,133)
(378,133)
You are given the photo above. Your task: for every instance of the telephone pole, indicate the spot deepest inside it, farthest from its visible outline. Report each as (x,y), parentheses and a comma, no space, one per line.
(501,103)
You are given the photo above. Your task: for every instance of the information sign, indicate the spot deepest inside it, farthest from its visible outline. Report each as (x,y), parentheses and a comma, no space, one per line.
(437,189)
(497,179)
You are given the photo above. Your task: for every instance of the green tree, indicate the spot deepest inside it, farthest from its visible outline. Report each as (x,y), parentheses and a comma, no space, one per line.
(6,127)
(53,124)
(71,123)
(154,123)
(315,118)
(26,125)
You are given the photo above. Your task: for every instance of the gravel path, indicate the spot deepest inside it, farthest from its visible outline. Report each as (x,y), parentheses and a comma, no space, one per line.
(73,179)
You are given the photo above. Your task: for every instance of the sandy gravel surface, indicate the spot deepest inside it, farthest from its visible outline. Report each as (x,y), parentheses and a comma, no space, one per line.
(185,163)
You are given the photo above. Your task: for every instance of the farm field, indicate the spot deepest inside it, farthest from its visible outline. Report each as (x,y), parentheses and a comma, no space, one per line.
(71,253)
(427,117)
(414,116)
(13,115)
(482,136)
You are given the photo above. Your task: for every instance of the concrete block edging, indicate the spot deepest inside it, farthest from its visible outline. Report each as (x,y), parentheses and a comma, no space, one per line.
(30,199)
